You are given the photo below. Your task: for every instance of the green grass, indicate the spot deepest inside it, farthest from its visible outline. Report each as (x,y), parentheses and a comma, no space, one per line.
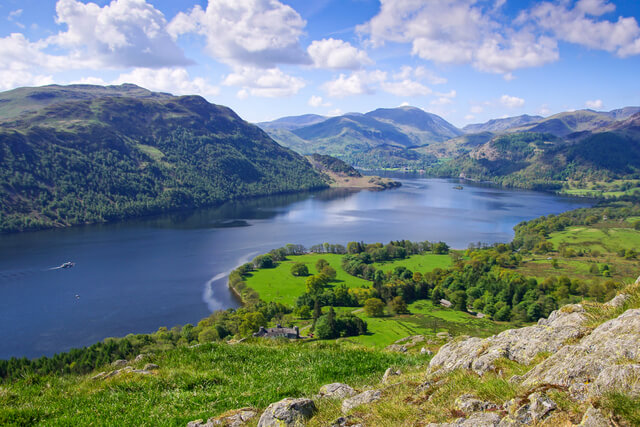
(150,151)
(194,383)
(420,263)
(279,285)
(601,239)
(424,319)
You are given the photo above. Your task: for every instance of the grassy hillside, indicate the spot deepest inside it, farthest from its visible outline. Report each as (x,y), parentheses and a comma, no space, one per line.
(193,383)
(102,158)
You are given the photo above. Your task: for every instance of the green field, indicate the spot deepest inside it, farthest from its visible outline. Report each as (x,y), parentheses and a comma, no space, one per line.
(420,263)
(279,285)
(194,383)
(608,240)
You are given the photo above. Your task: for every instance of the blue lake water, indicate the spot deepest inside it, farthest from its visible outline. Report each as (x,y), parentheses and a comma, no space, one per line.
(135,276)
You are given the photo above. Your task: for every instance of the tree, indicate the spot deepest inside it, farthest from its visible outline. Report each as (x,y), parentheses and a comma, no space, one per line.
(398,305)
(314,284)
(263,261)
(299,269)
(321,263)
(374,307)
(304,312)
(329,271)
(317,310)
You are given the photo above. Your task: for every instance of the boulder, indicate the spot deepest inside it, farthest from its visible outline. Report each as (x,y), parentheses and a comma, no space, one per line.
(531,412)
(617,301)
(618,378)
(390,373)
(235,418)
(140,357)
(426,351)
(364,398)
(443,336)
(521,345)
(478,419)
(593,418)
(413,339)
(119,363)
(151,367)
(99,376)
(578,366)
(287,412)
(397,348)
(468,403)
(336,391)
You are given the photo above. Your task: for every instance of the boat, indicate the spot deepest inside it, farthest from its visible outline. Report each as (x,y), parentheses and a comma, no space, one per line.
(458,187)
(67,264)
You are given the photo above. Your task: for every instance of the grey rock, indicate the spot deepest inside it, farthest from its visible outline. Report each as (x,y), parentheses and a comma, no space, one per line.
(478,419)
(140,357)
(426,351)
(390,373)
(364,398)
(236,419)
(468,403)
(345,421)
(620,378)
(593,418)
(397,348)
(540,405)
(151,367)
(521,345)
(617,301)
(99,376)
(118,363)
(443,336)
(336,391)
(287,412)
(531,412)
(413,339)
(578,366)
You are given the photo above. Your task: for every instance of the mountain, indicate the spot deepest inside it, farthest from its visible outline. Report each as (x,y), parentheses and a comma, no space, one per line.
(380,138)
(293,122)
(422,127)
(501,125)
(29,99)
(563,124)
(545,161)
(80,154)
(623,113)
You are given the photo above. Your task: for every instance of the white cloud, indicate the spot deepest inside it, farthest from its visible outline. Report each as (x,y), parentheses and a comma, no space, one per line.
(406,88)
(405,104)
(14,14)
(17,53)
(174,80)
(477,109)
(511,101)
(466,31)
(124,33)
(333,113)
(10,79)
(469,117)
(257,33)
(580,25)
(270,83)
(419,73)
(596,104)
(317,101)
(337,54)
(442,101)
(544,110)
(358,83)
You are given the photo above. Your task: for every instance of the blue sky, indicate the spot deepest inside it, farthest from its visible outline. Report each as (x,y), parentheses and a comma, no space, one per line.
(466,60)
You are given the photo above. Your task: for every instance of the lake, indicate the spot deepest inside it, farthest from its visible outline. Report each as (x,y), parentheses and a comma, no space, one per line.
(138,275)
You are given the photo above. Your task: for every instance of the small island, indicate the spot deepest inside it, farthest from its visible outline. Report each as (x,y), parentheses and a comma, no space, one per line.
(340,174)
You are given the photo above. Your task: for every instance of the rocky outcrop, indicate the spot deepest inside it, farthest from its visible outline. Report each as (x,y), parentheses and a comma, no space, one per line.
(468,403)
(521,345)
(287,412)
(364,398)
(531,412)
(336,391)
(235,418)
(390,372)
(593,418)
(618,301)
(618,378)
(396,348)
(578,366)
(479,419)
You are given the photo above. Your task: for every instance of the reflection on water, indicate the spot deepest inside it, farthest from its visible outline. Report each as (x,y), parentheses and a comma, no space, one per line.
(138,275)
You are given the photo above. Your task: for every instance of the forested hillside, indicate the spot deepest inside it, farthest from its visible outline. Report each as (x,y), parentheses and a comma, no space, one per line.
(86,155)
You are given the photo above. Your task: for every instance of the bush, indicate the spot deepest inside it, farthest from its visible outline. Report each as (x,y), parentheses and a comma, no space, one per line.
(374,307)
(299,269)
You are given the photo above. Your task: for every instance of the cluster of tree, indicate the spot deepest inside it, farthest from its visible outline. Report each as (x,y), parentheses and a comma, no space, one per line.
(328,248)
(329,325)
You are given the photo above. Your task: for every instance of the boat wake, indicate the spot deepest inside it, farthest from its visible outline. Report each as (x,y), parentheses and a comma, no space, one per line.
(209,292)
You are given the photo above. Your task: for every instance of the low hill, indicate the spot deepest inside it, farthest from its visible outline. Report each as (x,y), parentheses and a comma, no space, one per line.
(293,122)
(341,174)
(501,125)
(382,138)
(92,156)
(563,124)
